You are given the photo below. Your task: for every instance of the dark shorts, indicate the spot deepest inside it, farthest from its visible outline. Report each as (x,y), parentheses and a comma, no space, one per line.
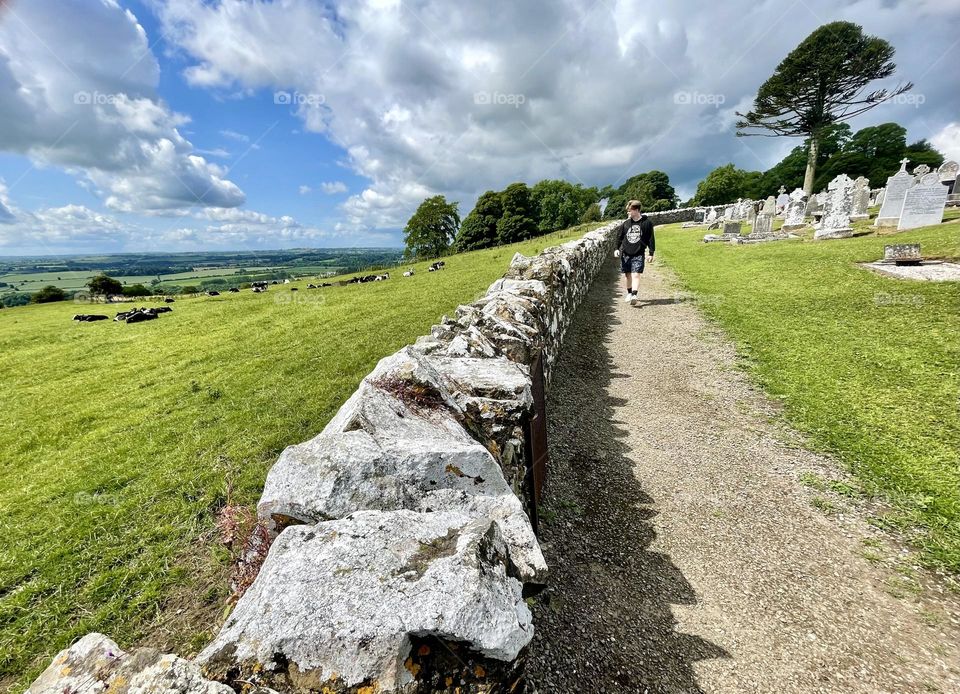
(631,263)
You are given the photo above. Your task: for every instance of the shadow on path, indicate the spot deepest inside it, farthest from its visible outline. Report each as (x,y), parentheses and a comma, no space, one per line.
(605,623)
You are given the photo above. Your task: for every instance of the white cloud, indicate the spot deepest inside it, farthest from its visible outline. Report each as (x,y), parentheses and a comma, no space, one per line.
(78,90)
(333,187)
(304,190)
(948,141)
(233,135)
(429,97)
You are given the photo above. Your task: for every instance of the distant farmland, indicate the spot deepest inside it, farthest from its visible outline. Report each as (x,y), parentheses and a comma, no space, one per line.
(167,273)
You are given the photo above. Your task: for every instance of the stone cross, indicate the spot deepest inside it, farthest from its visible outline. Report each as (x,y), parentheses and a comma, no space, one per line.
(903,164)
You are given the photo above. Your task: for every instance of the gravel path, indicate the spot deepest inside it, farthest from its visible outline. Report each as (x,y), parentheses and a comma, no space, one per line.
(685,554)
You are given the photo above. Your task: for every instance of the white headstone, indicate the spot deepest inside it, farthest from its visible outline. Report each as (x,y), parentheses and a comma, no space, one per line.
(728,213)
(836,217)
(948,171)
(861,199)
(763,225)
(896,190)
(712,217)
(783,199)
(795,211)
(750,212)
(923,204)
(880,196)
(770,206)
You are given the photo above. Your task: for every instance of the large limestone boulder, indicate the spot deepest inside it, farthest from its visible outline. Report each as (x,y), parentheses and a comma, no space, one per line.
(340,604)
(398,443)
(96,665)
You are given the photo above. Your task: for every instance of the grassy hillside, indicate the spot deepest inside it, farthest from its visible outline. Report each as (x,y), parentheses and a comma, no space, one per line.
(121,442)
(868,366)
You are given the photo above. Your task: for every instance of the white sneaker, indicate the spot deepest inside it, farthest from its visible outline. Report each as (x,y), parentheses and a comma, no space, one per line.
(633,299)
(628,298)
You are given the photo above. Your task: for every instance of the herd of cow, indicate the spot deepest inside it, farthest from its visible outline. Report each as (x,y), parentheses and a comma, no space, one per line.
(138,315)
(135,315)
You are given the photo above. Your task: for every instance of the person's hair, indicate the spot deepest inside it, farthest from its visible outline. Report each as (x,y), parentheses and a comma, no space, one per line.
(633,205)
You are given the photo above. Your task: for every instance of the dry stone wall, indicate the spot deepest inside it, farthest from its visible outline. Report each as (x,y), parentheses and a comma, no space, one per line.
(402,549)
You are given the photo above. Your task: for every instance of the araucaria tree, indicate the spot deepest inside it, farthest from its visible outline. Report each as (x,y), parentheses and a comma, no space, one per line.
(823,81)
(432,228)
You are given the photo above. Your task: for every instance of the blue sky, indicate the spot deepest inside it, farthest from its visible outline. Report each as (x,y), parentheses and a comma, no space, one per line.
(181,143)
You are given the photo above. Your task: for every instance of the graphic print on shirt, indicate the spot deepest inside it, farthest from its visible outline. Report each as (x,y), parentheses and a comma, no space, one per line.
(634,234)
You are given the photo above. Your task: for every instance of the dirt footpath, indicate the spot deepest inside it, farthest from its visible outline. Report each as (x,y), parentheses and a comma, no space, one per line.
(685,554)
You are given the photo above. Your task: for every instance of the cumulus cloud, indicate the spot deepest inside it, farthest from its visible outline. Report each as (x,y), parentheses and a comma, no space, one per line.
(78,88)
(948,141)
(333,187)
(427,97)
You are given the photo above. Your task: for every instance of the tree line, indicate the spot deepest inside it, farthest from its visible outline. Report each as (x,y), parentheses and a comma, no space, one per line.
(874,152)
(520,212)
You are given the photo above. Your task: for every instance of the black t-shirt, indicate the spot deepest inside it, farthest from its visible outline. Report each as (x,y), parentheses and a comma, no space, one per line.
(636,236)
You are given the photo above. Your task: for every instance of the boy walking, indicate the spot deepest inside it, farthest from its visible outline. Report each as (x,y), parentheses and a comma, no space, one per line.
(634,237)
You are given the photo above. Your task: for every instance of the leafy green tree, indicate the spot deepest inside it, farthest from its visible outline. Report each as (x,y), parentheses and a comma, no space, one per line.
(592,214)
(922,152)
(136,290)
(432,228)
(560,204)
(48,294)
(190,289)
(823,81)
(722,185)
(11,299)
(518,220)
(105,285)
(479,229)
(789,172)
(652,189)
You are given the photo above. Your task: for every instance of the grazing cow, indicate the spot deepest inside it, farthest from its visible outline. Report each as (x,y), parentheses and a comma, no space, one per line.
(233,290)
(140,316)
(213,293)
(326,284)
(162,309)
(168,300)
(293,289)
(436,266)
(89,318)
(409,273)
(311,286)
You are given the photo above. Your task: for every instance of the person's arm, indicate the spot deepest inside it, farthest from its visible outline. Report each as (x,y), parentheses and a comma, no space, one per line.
(653,240)
(620,234)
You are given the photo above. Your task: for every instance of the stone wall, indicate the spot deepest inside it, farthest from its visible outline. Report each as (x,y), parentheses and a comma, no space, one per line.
(402,550)
(681,214)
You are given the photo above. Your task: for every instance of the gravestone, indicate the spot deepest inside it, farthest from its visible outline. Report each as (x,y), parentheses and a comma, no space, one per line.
(712,217)
(923,204)
(878,202)
(750,213)
(921,171)
(728,213)
(769,206)
(763,224)
(782,200)
(861,199)
(813,207)
(948,175)
(795,211)
(896,191)
(903,254)
(836,217)
(732,228)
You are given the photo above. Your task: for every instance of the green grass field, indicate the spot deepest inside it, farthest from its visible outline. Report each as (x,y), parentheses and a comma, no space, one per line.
(121,442)
(868,367)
